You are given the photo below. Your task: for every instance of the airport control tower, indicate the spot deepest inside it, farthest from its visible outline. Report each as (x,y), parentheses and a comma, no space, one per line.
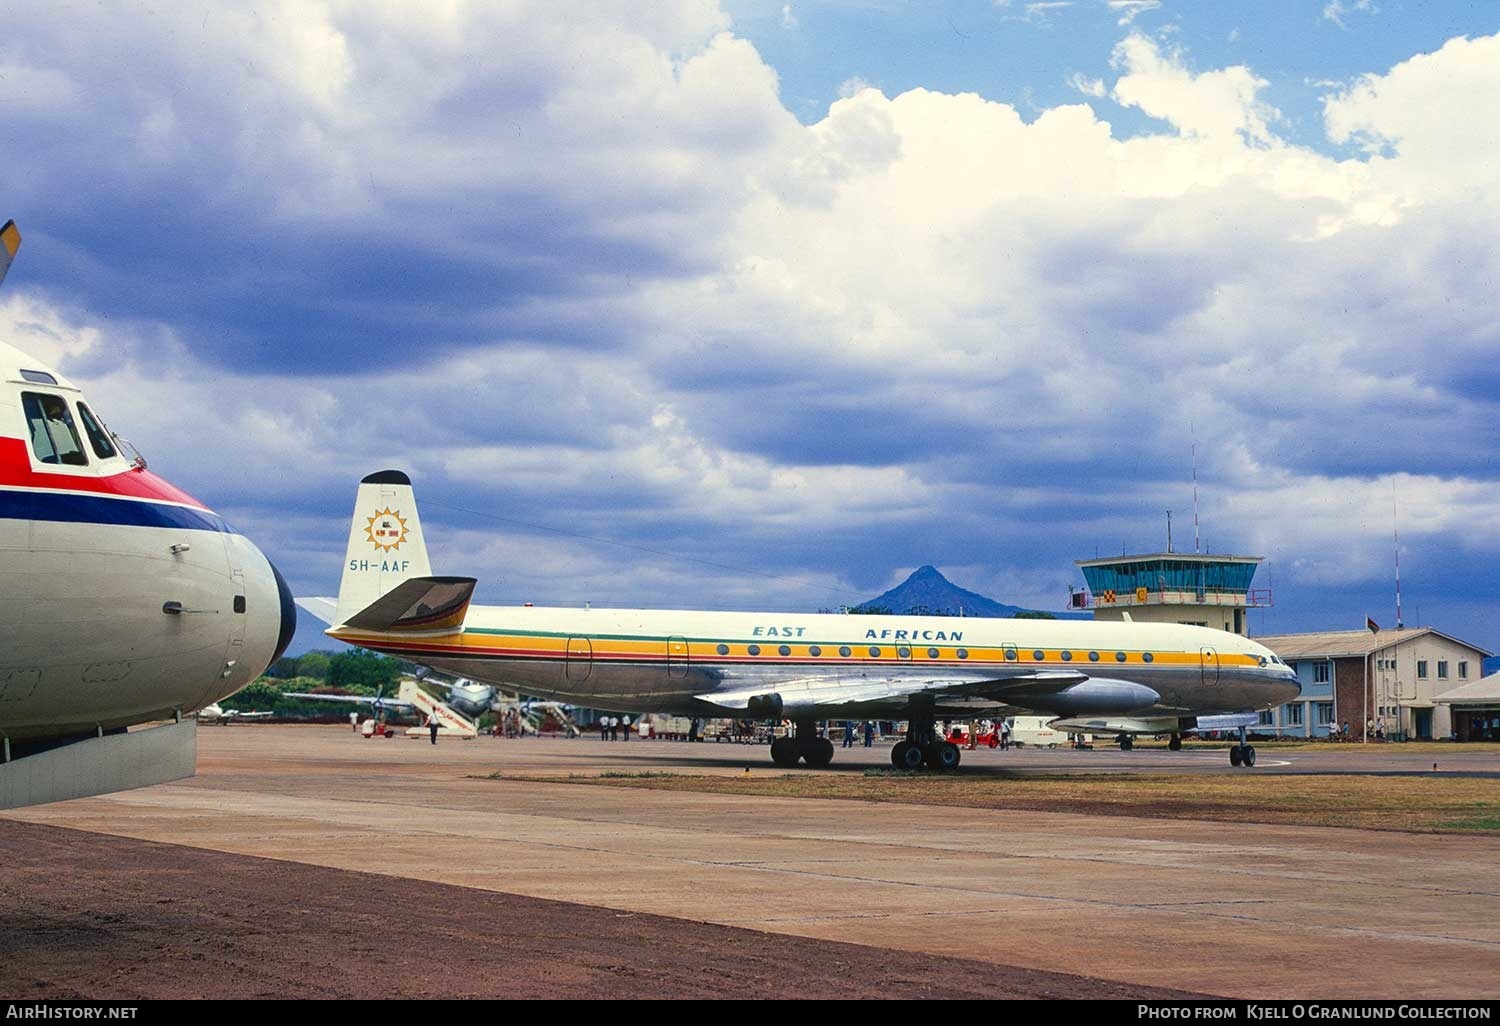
(1170,587)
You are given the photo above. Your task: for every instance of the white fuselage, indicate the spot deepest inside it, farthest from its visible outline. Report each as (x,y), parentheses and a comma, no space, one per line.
(678,661)
(122,599)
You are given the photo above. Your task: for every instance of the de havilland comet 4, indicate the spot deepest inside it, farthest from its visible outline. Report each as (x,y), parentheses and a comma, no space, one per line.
(803,667)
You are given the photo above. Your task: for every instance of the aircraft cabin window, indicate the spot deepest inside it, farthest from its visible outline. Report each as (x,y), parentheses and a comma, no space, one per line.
(932,653)
(723,650)
(874,652)
(1010,655)
(1119,657)
(814,650)
(785,650)
(844,651)
(1039,655)
(904,653)
(754,650)
(54,439)
(1093,657)
(1147,657)
(963,653)
(1067,656)
(98,437)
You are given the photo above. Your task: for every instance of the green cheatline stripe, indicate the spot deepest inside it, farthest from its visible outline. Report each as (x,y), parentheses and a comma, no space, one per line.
(717,640)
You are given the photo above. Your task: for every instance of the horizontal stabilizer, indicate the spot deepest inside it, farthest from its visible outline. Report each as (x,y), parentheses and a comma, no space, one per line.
(325,609)
(418,604)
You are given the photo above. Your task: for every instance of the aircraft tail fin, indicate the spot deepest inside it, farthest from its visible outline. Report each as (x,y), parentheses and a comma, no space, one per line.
(10,241)
(386,546)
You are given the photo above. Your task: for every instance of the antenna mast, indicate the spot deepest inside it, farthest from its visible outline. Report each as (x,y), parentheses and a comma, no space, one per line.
(1396,538)
(1195,498)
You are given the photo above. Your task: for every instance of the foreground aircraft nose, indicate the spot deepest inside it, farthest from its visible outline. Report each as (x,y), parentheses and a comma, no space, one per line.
(288,615)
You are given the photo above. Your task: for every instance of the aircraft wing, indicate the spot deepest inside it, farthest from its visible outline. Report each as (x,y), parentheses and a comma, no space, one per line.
(830,690)
(387,703)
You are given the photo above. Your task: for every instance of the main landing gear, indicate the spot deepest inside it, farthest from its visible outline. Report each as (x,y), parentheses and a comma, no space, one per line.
(1126,742)
(922,746)
(806,747)
(1242,754)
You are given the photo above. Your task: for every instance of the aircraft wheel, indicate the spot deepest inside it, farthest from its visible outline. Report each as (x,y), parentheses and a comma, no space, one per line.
(942,755)
(1175,744)
(1126,742)
(1235,755)
(906,756)
(1249,755)
(784,752)
(819,753)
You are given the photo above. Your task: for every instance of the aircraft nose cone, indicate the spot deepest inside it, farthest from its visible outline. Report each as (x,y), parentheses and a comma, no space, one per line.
(288,614)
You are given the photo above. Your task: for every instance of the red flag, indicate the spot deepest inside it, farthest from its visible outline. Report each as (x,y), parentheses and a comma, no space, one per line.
(1372,625)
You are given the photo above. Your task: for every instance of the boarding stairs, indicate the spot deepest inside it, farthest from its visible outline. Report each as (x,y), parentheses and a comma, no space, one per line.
(451,723)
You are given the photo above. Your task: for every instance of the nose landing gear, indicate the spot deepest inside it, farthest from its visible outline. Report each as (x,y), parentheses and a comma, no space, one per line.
(1242,754)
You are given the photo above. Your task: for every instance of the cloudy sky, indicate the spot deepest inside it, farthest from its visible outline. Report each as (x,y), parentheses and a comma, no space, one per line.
(762,305)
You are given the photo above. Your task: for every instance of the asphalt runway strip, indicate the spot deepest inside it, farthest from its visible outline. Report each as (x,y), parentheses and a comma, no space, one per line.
(86,915)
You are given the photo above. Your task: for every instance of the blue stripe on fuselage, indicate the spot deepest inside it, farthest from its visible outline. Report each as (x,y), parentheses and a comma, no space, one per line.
(79,508)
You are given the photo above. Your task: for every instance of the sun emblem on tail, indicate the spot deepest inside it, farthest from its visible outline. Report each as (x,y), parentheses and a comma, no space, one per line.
(386,530)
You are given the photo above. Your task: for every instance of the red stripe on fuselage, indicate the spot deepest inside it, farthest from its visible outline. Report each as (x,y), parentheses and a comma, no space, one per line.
(16,472)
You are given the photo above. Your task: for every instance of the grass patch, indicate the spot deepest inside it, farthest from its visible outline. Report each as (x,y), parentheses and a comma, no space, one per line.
(1441,804)
(1484,823)
(621,775)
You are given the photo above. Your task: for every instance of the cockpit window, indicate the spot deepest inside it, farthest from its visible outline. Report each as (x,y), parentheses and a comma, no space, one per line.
(39,377)
(98,436)
(54,439)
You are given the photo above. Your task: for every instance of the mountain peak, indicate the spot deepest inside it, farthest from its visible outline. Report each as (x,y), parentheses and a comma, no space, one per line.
(926,590)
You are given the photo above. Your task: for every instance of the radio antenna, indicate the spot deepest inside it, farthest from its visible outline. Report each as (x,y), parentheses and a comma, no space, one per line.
(1196,550)
(1396,540)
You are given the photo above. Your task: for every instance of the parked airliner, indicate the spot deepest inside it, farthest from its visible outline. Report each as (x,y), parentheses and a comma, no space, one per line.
(122,598)
(798,666)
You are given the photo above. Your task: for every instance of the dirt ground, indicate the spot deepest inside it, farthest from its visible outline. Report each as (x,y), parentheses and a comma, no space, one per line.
(85,915)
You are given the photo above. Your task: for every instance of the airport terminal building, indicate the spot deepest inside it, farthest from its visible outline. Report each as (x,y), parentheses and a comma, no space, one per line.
(1395,678)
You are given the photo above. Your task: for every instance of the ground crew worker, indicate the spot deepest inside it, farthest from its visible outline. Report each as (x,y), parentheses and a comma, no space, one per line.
(432,726)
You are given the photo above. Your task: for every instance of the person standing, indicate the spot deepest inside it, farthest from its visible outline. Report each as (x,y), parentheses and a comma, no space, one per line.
(869,733)
(604,728)
(432,725)
(1004,735)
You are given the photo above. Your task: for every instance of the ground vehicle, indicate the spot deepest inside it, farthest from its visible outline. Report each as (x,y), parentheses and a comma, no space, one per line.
(959,735)
(1033,730)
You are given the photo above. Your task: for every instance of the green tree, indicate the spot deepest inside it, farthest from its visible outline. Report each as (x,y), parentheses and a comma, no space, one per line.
(1033,614)
(313,664)
(361,668)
